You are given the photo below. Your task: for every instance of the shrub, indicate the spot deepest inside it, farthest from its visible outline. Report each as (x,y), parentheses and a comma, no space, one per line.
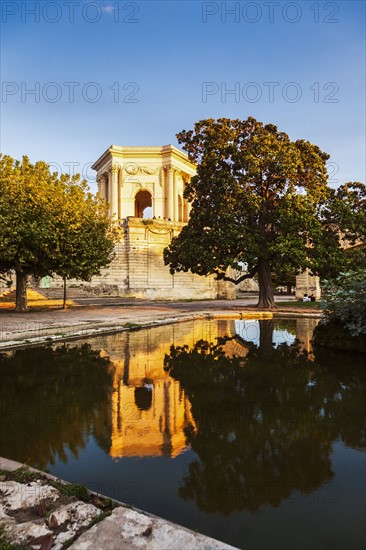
(345,301)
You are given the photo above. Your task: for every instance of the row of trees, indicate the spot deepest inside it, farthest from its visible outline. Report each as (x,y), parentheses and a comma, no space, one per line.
(50,225)
(261,199)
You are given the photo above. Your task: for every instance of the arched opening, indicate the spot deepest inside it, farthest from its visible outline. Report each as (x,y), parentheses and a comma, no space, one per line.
(143,398)
(180,209)
(143,205)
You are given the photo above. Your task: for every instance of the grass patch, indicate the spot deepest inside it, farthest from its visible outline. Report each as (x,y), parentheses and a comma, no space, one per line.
(298,304)
(21,475)
(74,490)
(131,325)
(7,546)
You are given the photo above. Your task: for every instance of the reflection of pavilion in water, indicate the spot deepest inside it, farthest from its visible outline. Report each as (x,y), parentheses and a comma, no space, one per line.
(150,411)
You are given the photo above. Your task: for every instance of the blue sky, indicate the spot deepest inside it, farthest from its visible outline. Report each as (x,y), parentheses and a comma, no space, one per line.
(136,73)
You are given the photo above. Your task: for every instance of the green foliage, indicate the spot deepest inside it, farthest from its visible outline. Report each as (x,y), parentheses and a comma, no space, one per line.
(347,209)
(4,545)
(345,301)
(333,335)
(51,224)
(258,198)
(131,325)
(21,475)
(75,490)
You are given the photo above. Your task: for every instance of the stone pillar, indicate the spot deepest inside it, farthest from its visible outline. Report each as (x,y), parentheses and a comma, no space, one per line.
(175,196)
(120,200)
(161,205)
(114,191)
(108,191)
(170,193)
(102,186)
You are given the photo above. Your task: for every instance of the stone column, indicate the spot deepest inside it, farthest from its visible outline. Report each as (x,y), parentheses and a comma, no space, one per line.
(170,193)
(162,200)
(102,186)
(120,186)
(175,195)
(114,191)
(108,184)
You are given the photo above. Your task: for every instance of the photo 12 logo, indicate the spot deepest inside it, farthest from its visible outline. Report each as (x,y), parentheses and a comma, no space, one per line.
(269,12)
(69,92)
(253,92)
(69,11)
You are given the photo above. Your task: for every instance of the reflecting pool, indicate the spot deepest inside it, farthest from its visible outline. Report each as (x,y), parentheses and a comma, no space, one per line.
(238,429)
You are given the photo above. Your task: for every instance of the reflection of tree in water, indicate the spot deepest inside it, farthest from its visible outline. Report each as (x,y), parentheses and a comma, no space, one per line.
(265,422)
(52,399)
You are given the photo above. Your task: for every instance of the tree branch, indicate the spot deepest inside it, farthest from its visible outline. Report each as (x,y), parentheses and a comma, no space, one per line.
(250,275)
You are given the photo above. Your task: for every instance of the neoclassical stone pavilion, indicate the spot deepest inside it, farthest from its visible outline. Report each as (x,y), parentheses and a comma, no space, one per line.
(134,178)
(144,187)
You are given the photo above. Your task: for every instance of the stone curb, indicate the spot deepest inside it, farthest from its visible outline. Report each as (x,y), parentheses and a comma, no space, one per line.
(132,529)
(92,329)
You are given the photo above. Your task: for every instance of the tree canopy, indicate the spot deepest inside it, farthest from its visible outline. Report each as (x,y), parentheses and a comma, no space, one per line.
(50,225)
(258,198)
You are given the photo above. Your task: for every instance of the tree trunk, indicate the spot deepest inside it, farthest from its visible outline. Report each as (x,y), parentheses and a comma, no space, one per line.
(266,327)
(21,292)
(65,294)
(289,289)
(266,299)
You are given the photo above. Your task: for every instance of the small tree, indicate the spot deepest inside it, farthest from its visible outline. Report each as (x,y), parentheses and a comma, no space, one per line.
(85,235)
(49,225)
(257,198)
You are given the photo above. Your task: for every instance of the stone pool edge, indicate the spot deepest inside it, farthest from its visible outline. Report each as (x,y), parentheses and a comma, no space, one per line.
(78,331)
(130,528)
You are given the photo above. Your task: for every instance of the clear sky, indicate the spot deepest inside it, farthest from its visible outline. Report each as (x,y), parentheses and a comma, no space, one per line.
(136,73)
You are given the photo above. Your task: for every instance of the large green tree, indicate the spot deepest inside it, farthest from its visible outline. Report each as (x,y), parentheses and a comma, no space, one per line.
(50,225)
(258,198)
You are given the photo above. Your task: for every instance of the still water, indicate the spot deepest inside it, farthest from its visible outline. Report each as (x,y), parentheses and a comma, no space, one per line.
(235,428)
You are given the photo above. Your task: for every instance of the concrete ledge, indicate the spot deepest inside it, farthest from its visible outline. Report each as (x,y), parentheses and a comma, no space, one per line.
(127,529)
